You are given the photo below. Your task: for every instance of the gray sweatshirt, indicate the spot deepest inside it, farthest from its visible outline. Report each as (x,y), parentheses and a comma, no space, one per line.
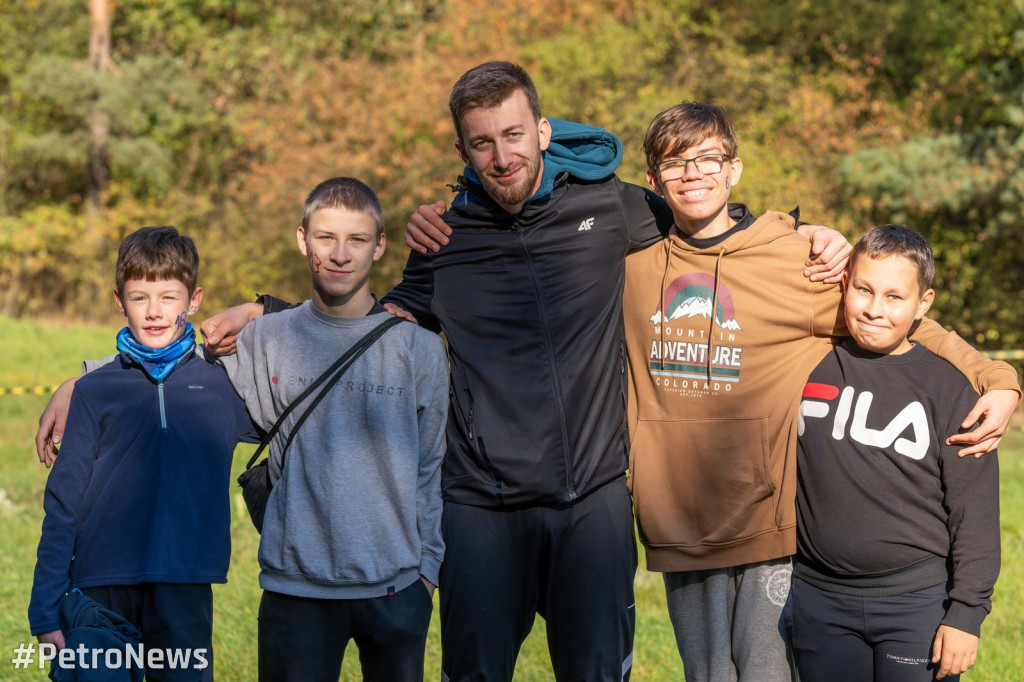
(356,510)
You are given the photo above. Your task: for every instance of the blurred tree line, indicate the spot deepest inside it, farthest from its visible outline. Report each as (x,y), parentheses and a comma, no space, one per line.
(218,116)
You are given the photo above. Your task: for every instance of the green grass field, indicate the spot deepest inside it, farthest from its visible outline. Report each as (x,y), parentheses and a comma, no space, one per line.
(35,354)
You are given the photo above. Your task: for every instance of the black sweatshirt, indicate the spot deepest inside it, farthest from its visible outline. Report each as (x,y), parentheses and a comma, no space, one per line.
(883,505)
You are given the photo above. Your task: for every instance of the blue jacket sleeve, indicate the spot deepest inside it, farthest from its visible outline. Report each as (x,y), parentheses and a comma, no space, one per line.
(65,489)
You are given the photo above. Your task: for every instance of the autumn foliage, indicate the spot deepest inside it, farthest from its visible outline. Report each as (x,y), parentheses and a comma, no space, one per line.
(224,113)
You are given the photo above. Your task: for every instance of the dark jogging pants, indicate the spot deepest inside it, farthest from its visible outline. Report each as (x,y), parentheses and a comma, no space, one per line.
(574,566)
(839,637)
(176,618)
(304,640)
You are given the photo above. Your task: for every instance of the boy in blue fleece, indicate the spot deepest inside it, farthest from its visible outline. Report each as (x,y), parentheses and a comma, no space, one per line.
(137,510)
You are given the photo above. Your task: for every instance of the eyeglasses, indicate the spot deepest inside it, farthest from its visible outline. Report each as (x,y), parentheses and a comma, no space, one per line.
(708,164)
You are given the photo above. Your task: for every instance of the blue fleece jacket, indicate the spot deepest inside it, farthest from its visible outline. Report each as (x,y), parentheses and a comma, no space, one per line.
(139,491)
(87,623)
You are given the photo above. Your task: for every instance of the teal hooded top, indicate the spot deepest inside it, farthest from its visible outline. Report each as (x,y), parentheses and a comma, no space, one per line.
(585,152)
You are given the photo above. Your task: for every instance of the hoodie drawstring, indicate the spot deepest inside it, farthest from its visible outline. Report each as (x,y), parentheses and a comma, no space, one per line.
(667,247)
(714,311)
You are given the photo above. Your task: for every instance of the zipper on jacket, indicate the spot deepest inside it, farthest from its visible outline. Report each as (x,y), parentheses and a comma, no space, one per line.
(498,481)
(478,448)
(570,485)
(163,411)
(498,492)
(625,398)
(160,390)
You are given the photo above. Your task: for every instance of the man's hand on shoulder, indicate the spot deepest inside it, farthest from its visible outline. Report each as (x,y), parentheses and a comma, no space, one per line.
(830,253)
(425,229)
(399,311)
(219,331)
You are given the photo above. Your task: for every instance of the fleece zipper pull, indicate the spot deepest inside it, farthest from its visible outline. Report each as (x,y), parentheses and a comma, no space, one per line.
(163,411)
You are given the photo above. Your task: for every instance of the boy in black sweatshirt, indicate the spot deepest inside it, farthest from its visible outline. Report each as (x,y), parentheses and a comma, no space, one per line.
(898,538)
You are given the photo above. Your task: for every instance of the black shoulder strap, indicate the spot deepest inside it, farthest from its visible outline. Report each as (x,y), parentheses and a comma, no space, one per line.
(795,215)
(337,369)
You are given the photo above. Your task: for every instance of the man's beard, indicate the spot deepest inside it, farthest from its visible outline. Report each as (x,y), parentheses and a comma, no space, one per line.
(513,195)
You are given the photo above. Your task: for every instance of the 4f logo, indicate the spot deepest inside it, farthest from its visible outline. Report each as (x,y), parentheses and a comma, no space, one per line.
(586,225)
(852,413)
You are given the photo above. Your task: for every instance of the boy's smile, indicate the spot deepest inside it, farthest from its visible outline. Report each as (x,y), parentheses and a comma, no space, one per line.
(882,301)
(341,245)
(699,201)
(157,311)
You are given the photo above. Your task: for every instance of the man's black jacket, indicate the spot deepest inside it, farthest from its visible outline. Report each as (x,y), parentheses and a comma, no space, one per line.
(531,307)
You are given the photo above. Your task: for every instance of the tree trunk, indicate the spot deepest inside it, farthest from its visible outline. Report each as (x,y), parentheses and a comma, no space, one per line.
(99,120)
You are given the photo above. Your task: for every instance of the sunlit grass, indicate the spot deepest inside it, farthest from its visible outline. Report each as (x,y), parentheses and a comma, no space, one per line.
(44,354)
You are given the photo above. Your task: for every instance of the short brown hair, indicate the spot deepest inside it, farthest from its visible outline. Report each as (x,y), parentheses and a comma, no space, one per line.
(685,125)
(899,240)
(157,253)
(486,86)
(344,193)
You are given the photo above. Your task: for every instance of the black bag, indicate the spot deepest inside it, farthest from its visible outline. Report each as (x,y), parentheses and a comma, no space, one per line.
(255,480)
(255,484)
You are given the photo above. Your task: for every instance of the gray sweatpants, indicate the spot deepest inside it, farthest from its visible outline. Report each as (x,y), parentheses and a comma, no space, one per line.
(733,623)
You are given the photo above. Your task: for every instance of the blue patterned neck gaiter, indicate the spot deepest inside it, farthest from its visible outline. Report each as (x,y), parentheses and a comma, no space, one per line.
(157,362)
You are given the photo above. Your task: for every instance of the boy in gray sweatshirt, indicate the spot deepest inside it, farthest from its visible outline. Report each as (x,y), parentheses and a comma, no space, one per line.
(351,545)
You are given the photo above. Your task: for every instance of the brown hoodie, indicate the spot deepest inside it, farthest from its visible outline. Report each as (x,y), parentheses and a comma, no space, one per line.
(713,400)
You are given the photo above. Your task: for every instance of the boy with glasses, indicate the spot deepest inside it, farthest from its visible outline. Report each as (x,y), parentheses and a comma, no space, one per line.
(722,330)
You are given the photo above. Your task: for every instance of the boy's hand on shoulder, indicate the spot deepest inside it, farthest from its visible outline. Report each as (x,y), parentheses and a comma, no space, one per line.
(52,422)
(955,651)
(425,229)
(56,638)
(830,253)
(992,415)
(220,330)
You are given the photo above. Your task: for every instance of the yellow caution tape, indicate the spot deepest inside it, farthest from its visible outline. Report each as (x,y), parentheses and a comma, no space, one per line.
(1005,354)
(27,390)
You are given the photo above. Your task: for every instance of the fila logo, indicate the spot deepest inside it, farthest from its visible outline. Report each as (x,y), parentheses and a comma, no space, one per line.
(586,225)
(913,415)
